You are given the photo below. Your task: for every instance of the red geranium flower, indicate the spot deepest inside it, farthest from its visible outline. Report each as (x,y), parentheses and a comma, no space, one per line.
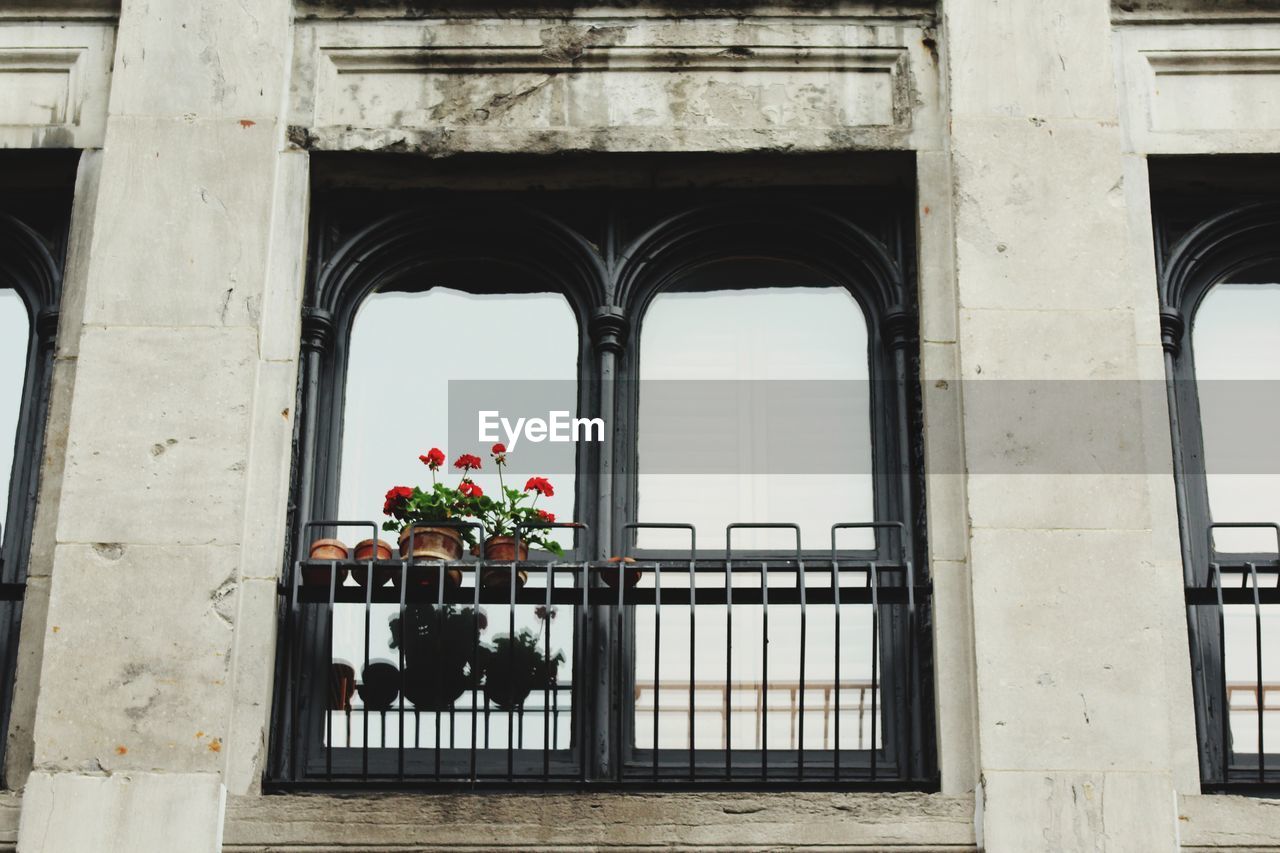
(548,517)
(467,462)
(396,496)
(499,448)
(470,489)
(540,485)
(434,458)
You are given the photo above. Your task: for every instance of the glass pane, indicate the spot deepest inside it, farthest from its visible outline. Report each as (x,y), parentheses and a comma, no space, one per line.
(1236,338)
(405,348)
(770,386)
(757,389)
(15,331)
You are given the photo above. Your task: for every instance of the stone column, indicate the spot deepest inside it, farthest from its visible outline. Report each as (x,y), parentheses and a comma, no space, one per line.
(159,638)
(1083,686)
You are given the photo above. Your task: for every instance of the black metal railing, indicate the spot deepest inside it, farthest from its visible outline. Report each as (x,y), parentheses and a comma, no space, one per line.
(794,668)
(1234,616)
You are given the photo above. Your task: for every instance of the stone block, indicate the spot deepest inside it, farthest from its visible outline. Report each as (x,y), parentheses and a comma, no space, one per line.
(955,699)
(143,635)
(1039,215)
(999,344)
(1059,812)
(251,686)
(123,813)
(936,237)
(280,321)
(54,82)
(198,196)
(1031,58)
(270,457)
(1071,652)
(222,60)
(168,468)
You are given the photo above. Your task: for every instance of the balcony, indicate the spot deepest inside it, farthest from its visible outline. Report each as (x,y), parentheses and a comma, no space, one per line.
(739,670)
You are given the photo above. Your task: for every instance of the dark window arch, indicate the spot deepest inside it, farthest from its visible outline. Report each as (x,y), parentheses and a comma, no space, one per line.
(1220,280)
(609,257)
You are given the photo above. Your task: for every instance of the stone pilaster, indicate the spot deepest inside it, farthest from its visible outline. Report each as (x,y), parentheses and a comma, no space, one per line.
(1083,713)
(165,555)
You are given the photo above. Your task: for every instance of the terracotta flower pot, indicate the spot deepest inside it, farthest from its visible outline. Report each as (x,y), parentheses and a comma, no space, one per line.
(325,549)
(433,543)
(503,549)
(622,567)
(371,549)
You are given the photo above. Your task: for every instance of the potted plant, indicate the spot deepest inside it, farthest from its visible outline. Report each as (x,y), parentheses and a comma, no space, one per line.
(516,666)
(440,645)
(415,513)
(500,519)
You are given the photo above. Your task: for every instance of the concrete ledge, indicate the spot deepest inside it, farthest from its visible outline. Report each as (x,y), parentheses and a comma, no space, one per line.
(1219,822)
(700,821)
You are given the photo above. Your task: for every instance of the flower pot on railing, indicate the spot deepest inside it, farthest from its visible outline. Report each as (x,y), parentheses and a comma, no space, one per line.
(373,549)
(433,543)
(325,549)
(620,570)
(502,549)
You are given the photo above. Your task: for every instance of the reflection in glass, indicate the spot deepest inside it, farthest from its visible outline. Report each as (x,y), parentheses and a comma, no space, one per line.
(15,330)
(405,348)
(752,349)
(1235,338)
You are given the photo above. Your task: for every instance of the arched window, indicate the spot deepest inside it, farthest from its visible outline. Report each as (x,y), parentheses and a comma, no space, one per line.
(30,285)
(1221,329)
(669,321)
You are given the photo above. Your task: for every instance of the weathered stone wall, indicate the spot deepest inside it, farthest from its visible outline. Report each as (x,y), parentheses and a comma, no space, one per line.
(1064,715)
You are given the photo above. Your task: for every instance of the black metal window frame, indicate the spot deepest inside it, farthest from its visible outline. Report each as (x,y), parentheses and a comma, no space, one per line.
(1198,245)
(589,247)
(31,266)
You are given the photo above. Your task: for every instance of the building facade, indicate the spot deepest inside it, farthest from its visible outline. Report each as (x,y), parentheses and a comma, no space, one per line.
(1022,197)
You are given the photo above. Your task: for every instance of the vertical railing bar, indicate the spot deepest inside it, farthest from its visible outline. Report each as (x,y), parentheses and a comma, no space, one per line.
(439,617)
(404,583)
(368,608)
(872,572)
(693,645)
(549,582)
(1257,638)
(728,654)
(804,646)
(475,658)
(657,656)
(835,594)
(511,663)
(579,663)
(1222,655)
(764,670)
(328,631)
